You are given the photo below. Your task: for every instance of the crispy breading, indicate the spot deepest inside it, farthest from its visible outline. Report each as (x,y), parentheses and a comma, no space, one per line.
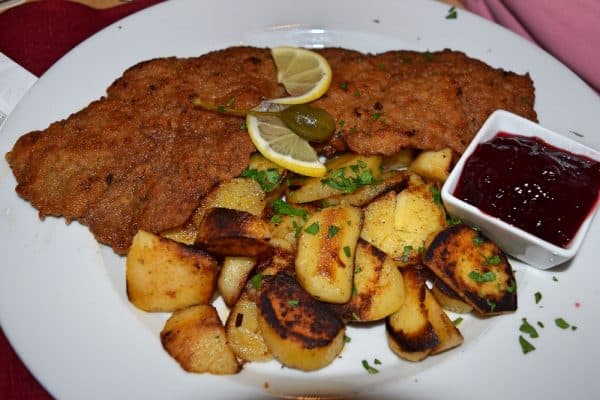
(429,100)
(143,157)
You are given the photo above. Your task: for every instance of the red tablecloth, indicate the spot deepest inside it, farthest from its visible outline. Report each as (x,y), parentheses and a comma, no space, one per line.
(36,35)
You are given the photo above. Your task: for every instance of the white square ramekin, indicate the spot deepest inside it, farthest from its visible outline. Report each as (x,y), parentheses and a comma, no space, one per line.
(512,240)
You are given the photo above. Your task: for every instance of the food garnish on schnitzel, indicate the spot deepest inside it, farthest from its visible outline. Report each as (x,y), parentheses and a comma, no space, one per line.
(143,156)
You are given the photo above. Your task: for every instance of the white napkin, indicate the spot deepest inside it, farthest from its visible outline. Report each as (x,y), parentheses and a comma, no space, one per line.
(15,81)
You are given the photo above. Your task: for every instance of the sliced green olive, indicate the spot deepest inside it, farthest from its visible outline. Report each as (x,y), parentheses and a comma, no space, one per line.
(311,123)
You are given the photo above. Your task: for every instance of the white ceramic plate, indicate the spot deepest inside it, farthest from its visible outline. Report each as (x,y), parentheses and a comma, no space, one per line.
(62,297)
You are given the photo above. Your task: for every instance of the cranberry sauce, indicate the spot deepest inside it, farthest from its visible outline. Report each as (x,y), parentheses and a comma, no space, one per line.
(531,184)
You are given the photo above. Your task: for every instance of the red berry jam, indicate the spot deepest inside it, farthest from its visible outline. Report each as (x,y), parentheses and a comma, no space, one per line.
(531,184)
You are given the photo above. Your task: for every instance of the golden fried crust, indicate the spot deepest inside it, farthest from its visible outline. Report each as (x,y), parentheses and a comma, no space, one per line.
(294,314)
(142,157)
(401,99)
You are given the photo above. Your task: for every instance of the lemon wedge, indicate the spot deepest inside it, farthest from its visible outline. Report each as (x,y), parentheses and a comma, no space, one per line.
(278,143)
(306,75)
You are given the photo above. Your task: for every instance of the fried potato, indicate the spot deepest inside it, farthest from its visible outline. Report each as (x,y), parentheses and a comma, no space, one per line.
(398,161)
(448,299)
(434,165)
(378,286)
(305,190)
(242,194)
(410,333)
(196,339)
(233,277)
(229,232)
(325,257)
(185,234)
(400,224)
(163,275)
(280,261)
(473,267)
(243,334)
(299,331)
(393,180)
(449,336)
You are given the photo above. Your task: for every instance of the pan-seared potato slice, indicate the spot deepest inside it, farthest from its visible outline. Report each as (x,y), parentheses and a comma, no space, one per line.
(195,337)
(448,299)
(399,161)
(243,334)
(243,194)
(285,230)
(281,260)
(393,180)
(410,334)
(378,286)
(417,216)
(473,267)
(448,335)
(299,331)
(378,223)
(325,258)
(233,277)
(343,176)
(399,225)
(163,275)
(228,232)
(434,165)
(185,234)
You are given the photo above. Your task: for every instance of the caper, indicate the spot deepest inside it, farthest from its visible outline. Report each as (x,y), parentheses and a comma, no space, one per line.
(311,123)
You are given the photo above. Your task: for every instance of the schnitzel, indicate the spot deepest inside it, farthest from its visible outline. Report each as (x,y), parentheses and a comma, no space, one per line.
(142,157)
(429,100)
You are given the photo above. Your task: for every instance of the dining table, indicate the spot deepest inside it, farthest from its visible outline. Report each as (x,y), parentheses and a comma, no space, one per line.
(35,34)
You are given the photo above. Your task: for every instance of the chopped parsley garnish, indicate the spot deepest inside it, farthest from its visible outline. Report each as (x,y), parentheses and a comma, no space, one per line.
(428,55)
(256,280)
(332,231)
(375,116)
(555,279)
(491,304)
(457,321)
(528,329)
(538,297)
(452,13)
(479,277)
(276,219)
(347,339)
(437,196)
(243,126)
(540,324)
(293,303)
(376,362)
(478,240)
(561,323)
(344,85)
(491,260)
(348,184)
(221,108)
(406,253)
(454,221)
(525,345)
(512,287)
(230,102)
(312,229)
(297,228)
(281,207)
(354,291)
(347,251)
(369,369)
(342,123)
(267,180)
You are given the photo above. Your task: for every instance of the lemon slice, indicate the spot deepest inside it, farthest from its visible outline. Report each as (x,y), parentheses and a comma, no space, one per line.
(279,144)
(306,75)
